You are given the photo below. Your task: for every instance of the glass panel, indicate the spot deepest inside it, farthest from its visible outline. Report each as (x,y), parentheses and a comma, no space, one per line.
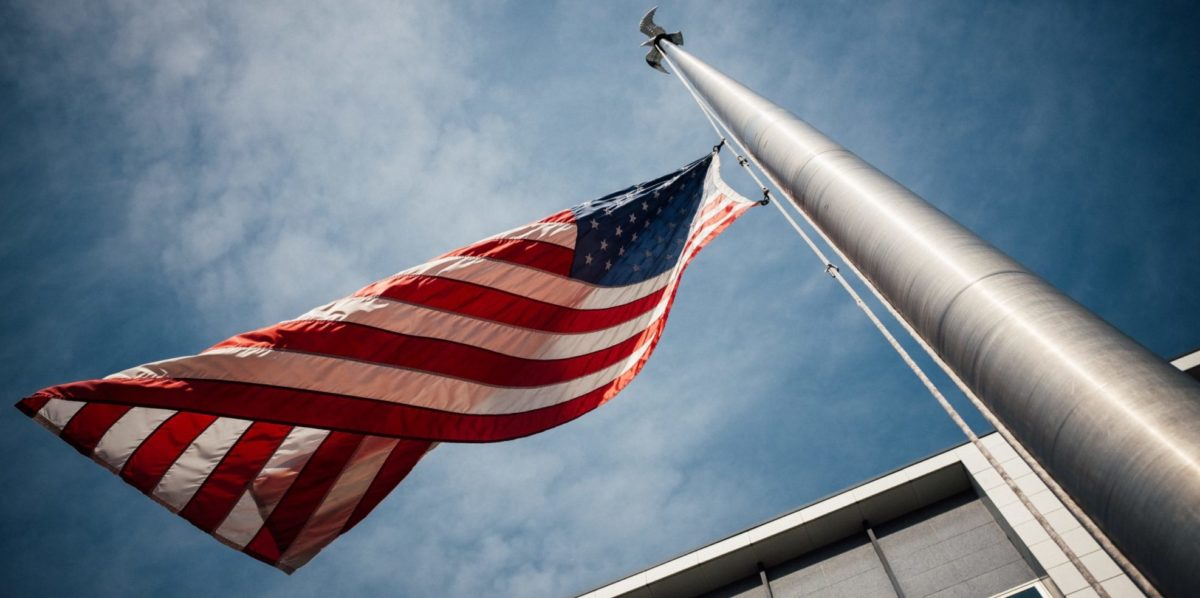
(1027,593)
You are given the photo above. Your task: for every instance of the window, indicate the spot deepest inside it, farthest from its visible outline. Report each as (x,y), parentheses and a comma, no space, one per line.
(1033,589)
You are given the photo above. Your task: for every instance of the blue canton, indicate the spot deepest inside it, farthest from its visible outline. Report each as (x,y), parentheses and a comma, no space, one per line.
(638,233)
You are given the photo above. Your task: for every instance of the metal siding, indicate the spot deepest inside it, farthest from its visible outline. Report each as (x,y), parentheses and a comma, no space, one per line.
(952,548)
(845,568)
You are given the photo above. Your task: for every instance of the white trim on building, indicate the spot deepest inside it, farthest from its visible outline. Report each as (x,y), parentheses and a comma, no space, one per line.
(884,499)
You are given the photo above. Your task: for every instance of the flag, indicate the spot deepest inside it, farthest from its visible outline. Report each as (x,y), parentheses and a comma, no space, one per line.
(278,440)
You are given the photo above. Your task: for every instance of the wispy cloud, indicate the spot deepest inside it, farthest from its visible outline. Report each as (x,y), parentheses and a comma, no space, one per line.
(178,172)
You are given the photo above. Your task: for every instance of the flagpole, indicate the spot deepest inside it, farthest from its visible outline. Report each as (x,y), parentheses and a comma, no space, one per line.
(1117,427)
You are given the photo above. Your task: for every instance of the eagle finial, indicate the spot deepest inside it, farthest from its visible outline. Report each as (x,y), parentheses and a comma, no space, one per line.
(656,33)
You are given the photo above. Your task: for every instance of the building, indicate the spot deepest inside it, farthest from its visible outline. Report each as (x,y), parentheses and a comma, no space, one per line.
(946,526)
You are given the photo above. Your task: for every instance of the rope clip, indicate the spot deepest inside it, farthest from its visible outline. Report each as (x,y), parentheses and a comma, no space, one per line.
(766,197)
(717,147)
(832,270)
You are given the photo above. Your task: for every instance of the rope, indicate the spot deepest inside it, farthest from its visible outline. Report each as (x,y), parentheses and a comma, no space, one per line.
(1068,502)
(741,159)
(834,272)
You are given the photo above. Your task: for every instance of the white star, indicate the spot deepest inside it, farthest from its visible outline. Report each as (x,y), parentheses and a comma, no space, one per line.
(603,245)
(607,265)
(621,251)
(633,218)
(587,259)
(634,237)
(646,206)
(658,211)
(595,224)
(648,254)
(618,231)
(636,268)
(646,224)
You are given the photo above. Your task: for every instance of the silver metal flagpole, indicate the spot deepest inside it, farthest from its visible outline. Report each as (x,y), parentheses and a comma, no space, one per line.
(1117,427)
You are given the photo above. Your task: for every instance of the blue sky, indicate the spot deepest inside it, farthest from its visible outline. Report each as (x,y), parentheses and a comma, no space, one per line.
(177,172)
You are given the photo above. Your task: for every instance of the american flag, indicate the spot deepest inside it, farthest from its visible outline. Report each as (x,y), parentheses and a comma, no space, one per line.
(277,441)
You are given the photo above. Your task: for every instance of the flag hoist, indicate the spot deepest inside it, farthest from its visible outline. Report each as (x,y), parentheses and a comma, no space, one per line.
(1114,425)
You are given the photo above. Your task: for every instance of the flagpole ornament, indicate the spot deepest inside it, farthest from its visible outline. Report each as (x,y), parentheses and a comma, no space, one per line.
(1115,425)
(656,33)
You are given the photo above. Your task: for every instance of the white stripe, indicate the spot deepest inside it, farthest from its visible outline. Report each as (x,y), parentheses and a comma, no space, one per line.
(190,470)
(536,284)
(515,341)
(714,184)
(57,413)
(119,442)
(256,504)
(331,516)
(558,233)
(260,365)
(242,522)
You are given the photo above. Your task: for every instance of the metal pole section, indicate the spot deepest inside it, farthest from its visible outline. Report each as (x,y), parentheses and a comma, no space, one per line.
(1115,425)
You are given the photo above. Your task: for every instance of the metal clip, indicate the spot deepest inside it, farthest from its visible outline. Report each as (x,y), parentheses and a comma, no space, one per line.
(832,270)
(717,147)
(766,197)
(742,160)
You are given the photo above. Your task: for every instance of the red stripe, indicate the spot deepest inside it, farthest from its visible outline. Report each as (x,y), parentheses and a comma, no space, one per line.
(304,496)
(403,458)
(337,412)
(85,430)
(487,303)
(323,410)
(565,216)
(552,258)
(162,448)
(32,405)
(342,339)
(263,548)
(228,481)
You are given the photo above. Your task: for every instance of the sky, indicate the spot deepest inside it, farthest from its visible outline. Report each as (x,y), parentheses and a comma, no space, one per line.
(173,173)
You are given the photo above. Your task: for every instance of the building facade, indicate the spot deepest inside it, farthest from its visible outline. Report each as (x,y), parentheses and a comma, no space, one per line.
(946,527)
